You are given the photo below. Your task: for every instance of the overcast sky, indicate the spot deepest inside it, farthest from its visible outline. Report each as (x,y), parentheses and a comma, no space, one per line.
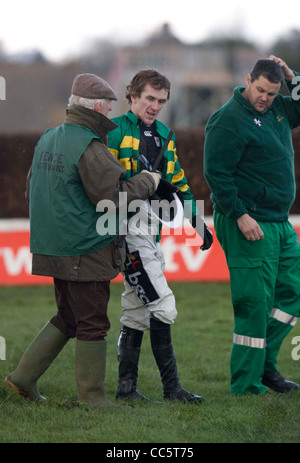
(61,28)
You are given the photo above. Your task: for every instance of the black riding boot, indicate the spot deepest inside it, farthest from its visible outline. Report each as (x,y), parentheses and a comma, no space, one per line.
(161,342)
(129,346)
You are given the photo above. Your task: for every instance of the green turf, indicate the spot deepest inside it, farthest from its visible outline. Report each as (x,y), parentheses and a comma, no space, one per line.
(202,337)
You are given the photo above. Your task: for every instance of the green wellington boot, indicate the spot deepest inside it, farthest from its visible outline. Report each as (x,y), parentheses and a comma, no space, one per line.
(90,373)
(35,361)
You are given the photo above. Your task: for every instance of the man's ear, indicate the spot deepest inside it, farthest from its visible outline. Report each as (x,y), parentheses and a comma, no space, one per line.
(248,79)
(97,106)
(133,98)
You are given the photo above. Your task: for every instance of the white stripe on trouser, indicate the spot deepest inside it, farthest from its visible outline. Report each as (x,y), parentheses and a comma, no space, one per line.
(283,317)
(247,341)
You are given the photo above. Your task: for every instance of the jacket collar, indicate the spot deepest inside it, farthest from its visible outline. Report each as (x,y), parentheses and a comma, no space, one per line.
(242,100)
(162,129)
(132,117)
(98,123)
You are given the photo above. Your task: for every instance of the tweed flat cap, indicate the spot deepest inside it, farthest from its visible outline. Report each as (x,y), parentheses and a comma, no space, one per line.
(92,86)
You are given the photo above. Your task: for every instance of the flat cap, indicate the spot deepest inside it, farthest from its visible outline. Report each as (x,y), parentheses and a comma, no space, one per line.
(92,86)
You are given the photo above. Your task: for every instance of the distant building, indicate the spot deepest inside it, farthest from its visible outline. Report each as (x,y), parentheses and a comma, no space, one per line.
(202,75)
(202,78)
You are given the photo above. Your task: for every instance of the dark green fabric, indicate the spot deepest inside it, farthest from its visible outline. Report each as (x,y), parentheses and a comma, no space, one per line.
(249,158)
(264,275)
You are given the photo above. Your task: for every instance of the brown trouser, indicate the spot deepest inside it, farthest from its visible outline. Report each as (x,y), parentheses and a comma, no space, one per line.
(82,309)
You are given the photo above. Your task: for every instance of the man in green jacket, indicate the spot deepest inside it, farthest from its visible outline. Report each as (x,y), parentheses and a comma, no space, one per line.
(72,172)
(148,302)
(249,167)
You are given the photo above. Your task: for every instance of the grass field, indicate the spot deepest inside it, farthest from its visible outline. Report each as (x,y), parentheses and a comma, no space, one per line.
(202,337)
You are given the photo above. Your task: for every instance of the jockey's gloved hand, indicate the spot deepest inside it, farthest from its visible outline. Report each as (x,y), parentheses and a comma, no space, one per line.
(201,228)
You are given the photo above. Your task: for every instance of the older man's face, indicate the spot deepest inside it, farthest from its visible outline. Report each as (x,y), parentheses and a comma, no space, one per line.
(260,93)
(103,108)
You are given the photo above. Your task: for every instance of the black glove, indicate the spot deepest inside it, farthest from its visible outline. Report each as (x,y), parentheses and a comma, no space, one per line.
(202,229)
(208,239)
(165,190)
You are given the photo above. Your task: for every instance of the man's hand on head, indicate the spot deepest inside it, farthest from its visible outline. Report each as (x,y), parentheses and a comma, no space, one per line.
(288,73)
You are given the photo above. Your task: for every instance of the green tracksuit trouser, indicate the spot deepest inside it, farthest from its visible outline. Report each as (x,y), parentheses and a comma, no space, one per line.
(265,289)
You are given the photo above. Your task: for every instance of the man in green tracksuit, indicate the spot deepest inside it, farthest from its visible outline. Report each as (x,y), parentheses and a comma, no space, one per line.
(249,167)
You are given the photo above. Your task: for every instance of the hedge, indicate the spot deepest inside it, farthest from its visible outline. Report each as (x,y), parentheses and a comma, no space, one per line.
(16,154)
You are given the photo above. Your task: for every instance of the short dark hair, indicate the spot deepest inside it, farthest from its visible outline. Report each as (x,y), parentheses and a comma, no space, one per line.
(268,69)
(144,77)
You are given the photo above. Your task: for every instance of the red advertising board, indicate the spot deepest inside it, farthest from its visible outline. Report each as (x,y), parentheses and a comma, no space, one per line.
(184,259)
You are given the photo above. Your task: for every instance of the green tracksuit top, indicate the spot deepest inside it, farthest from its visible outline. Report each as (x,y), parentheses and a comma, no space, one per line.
(249,157)
(62,218)
(124,142)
